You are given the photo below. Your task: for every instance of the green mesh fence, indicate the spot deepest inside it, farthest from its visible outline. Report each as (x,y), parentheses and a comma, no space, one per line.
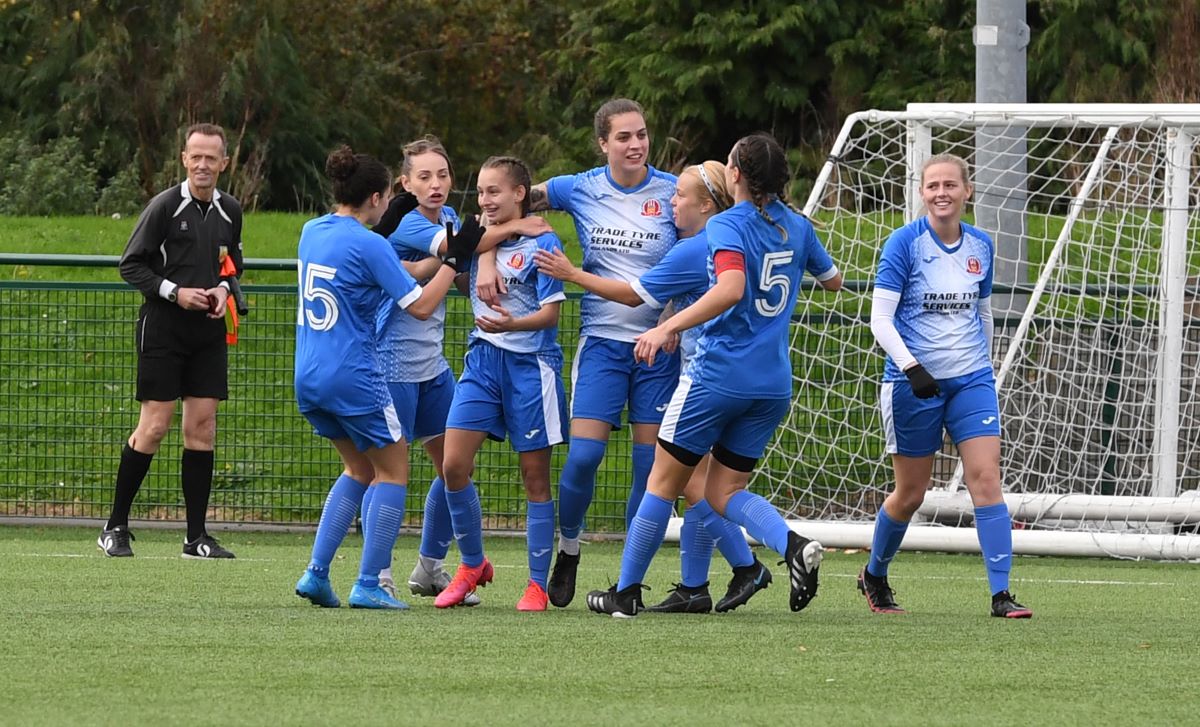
(67,370)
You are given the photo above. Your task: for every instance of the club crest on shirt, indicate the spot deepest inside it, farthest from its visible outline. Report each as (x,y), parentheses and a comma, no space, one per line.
(973,265)
(517,261)
(651,208)
(183,226)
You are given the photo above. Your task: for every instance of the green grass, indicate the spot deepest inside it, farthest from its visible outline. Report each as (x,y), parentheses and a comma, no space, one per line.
(156,639)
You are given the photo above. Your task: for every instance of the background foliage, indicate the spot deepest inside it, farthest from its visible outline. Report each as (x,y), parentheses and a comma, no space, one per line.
(94,93)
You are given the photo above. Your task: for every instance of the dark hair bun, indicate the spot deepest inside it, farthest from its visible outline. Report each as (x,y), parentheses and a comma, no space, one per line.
(341,163)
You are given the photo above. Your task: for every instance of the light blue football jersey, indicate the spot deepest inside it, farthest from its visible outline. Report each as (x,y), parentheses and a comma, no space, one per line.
(940,288)
(528,290)
(623,232)
(744,351)
(680,278)
(410,350)
(343,267)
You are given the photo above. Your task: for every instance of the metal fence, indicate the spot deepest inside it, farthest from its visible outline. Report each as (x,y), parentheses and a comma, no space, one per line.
(67,372)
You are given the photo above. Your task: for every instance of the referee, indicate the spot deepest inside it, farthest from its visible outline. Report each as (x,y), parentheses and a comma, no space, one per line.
(174,258)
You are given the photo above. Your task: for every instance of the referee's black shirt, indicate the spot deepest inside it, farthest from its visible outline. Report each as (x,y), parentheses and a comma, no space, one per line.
(177,241)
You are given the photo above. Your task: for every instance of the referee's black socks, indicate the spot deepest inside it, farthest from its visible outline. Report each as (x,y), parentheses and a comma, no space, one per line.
(130,473)
(197,484)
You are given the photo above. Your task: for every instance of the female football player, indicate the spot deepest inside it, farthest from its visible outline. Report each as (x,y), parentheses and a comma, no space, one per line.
(410,349)
(758,249)
(621,215)
(931,312)
(343,269)
(511,384)
(679,279)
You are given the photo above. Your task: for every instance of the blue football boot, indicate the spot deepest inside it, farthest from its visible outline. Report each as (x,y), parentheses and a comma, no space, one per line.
(317,589)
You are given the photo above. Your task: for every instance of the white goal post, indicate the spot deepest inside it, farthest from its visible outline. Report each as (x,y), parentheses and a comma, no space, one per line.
(1097,345)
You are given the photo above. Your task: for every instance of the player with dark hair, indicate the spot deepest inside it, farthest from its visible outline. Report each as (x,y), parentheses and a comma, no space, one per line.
(343,269)
(410,349)
(678,280)
(511,384)
(759,249)
(621,214)
(174,258)
(931,312)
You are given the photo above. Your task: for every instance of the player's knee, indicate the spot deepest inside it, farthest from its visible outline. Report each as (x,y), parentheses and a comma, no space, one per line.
(718,500)
(363,473)
(457,471)
(985,492)
(904,502)
(584,455)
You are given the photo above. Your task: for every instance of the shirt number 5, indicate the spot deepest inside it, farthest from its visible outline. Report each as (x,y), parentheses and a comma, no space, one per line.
(314,293)
(769,281)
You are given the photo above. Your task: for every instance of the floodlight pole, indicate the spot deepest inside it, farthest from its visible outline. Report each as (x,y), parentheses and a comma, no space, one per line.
(1001,37)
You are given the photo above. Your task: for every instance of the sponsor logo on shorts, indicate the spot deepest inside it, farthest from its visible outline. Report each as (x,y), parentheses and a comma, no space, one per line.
(651,208)
(989,420)
(661,408)
(532,433)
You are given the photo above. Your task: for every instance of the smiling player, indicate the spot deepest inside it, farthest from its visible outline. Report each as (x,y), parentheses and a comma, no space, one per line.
(931,312)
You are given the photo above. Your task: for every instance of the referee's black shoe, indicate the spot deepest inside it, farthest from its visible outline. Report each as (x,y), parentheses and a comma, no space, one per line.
(880,596)
(747,580)
(205,547)
(115,542)
(803,559)
(684,599)
(625,603)
(561,586)
(1004,605)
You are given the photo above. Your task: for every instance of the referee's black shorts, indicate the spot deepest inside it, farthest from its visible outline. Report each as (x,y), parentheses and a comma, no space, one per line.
(180,353)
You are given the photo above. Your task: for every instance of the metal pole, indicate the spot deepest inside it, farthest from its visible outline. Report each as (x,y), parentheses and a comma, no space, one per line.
(1001,37)
(1174,278)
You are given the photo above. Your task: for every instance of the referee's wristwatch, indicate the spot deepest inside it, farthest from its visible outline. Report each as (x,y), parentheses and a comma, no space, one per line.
(173,294)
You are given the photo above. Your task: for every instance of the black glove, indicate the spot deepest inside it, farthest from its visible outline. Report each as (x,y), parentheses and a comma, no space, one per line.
(400,205)
(924,386)
(460,246)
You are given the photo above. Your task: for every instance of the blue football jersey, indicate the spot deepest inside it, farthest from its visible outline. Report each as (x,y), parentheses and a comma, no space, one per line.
(624,231)
(744,351)
(528,290)
(679,278)
(410,350)
(343,268)
(939,287)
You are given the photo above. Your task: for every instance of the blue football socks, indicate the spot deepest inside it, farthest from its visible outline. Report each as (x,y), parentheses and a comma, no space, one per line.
(437,532)
(539,535)
(726,535)
(994,528)
(384,518)
(695,549)
(643,460)
(643,539)
(760,519)
(885,543)
(577,483)
(341,506)
(466,516)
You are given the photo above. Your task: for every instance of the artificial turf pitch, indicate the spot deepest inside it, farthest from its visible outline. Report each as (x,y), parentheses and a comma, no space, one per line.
(156,639)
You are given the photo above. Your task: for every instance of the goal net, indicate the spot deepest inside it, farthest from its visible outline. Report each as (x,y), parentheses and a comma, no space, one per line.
(1095,215)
